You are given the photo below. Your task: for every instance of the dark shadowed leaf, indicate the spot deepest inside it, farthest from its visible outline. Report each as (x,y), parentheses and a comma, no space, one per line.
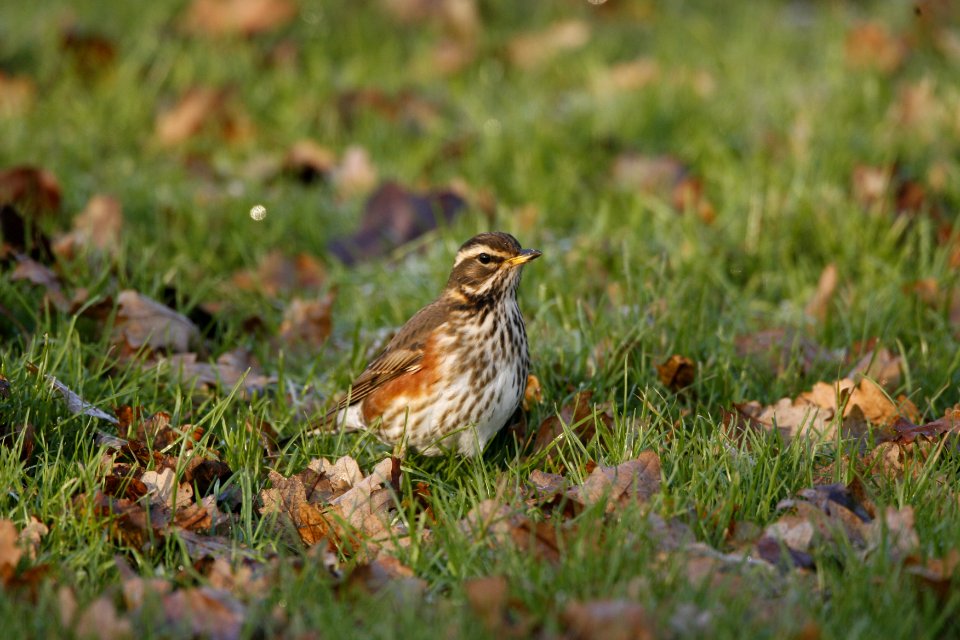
(393,216)
(677,372)
(903,431)
(90,53)
(144,323)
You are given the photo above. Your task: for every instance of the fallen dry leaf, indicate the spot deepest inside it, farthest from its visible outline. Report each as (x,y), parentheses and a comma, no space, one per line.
(307,321)
(814,412)
(32,271)
(663,177)
(871,186)
(393,216)
(871,46)
(937,574)
(10,550)
(309,161)
(897,530)
(919,112)
(819,302)
(232,368)
(530,50)
(386,574)
(778,349)
(31,536)
(405,107)
(488,597)
(635,480)
(238,17)
(137,590)
(198,110)
(625,77)
(277,275)
(98,226)
(22,435)
(101,620)
(654,175)
(143,323)
(904,431)
(207,612)
(677,372)
(17,95)
(356,174)
(32,190)
(335,503)
(880,365)
(459,18)
(607,620)
(21,238)
(824,518)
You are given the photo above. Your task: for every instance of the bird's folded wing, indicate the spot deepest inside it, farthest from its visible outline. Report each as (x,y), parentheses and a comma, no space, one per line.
(381,371)
(403,355)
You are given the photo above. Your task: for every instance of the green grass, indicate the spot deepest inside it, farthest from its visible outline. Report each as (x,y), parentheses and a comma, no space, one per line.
(625,282)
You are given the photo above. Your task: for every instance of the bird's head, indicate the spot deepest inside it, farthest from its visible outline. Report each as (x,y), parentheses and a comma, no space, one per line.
(487,268)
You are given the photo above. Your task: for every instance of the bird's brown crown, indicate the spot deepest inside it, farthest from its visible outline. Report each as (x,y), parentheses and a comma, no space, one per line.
(487,268)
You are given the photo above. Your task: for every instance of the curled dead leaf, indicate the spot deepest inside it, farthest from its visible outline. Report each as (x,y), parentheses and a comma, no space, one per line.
(677,372)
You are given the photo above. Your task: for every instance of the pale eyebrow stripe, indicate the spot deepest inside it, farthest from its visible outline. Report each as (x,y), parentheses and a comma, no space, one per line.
(473,252)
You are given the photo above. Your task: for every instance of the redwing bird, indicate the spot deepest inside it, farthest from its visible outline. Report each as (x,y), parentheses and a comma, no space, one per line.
(457,370)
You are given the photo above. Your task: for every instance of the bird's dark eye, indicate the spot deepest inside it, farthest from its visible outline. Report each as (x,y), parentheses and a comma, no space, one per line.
(483,258)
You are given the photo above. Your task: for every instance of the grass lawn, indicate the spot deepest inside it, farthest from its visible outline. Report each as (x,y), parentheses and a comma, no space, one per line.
(768,190)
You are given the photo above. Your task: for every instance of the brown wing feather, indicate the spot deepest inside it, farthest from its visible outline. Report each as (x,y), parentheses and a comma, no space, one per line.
(401,356)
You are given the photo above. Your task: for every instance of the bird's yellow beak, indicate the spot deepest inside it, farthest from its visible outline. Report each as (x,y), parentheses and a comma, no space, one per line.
(525,255)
